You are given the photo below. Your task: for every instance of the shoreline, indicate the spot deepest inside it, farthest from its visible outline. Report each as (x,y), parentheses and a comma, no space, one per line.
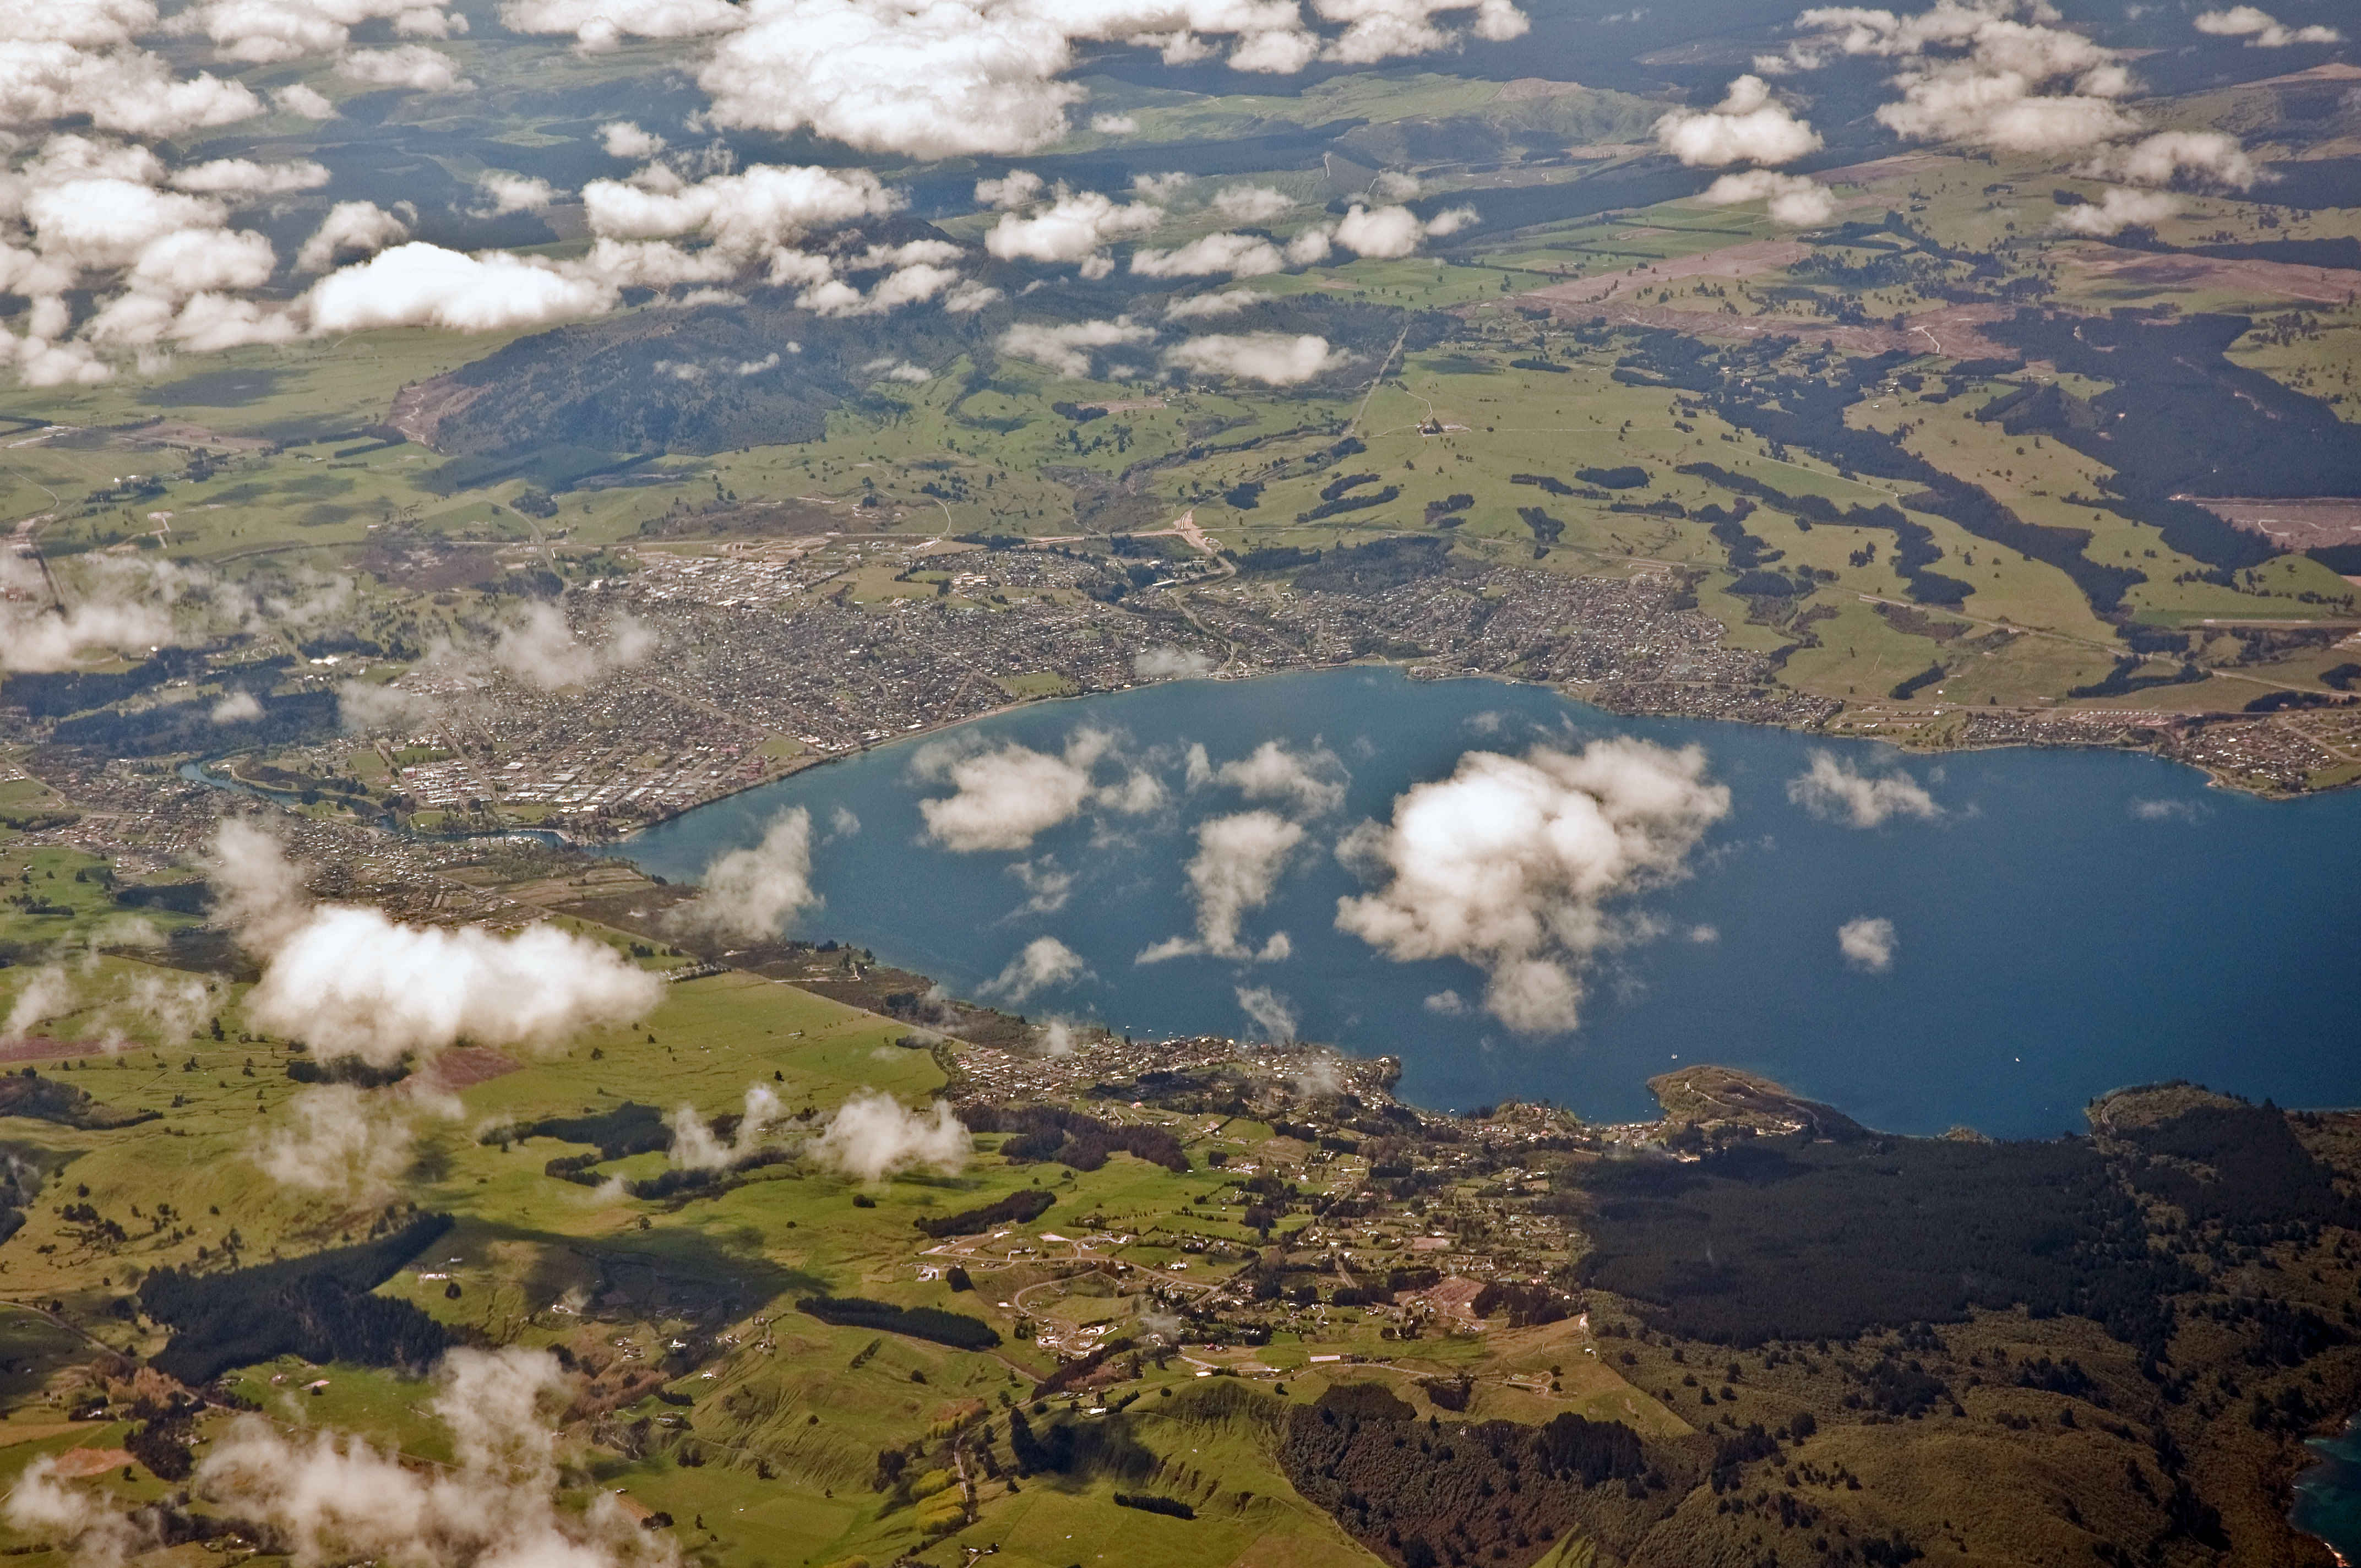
(1416,670)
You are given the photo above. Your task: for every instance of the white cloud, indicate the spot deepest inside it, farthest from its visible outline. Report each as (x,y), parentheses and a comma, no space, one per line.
(1075,225)
(1065,348)
(365,708)
(872,1135)
(2166,810)
(1795,200)
(1167,663)
(1114,125)
(1006,796)
(1312,781)
(235,708)
(303,102)
(621,138)
(270,31)
(350,1143)
(539,648)
(420,284)
(1746,127)
(1044,964)
(349,982)
(1216,254)
(1252,203)
(1017,189)
(515,192)
(742,214)
(1867,943)
(2116,211)
(333,1498)
(1270,1012)
(1835,790)
(1274,358)
(2261,29)
(1382,232)
(1228,303)
(48,993)
(697,1147)
(1446,1005)
(125,90)
(244,177)
(117,613)
(748,894)
(1514,865)
(1237,865)
(601,24)
(2166,156)
(350,229)
(414,66)
(967,78)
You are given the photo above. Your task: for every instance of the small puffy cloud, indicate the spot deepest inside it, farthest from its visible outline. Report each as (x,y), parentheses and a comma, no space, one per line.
(1044,964)
(414,66)
(1515,864)
(1114,125)
(352,1144)
(123,90)
(1237,865)
(420,284)
(1006,796)
(601,24)
(244,177)
(2260,29)
(1228,303)
(1446,1005)
(1835,790)
(1794,199)
(2167,158)
(350,229)
(1017,189)
(1066,347)
(1867,943)
(1075,225)
(235,708)
(128,615)
(1746,127)
(969,78)
(1274,358)
(749,895)
(872,1137)
(1270,1012)
(539,648)
(742,213)
(1252,203)
(364,708)
(303,102)
(1382,232)
(270,31)
(621,138)
(2117,210)
(1215,255)
(697,1147)
(2166,810)
(1311,781)
(350,981)
(507,192)
(1166,663)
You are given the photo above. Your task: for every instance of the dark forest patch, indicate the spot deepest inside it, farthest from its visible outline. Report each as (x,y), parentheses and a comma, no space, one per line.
(1789,1240)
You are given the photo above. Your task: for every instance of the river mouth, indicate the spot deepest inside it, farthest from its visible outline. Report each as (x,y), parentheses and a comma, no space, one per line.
(2055,924)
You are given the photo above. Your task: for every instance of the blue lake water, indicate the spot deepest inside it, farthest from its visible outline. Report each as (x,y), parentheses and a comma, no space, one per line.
(2328,1496)
(2072,922)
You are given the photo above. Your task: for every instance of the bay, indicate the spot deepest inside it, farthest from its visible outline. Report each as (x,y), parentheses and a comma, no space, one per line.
(2070,923)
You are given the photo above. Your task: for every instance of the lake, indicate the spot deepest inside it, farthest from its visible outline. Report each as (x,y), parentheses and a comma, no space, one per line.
(2058,922)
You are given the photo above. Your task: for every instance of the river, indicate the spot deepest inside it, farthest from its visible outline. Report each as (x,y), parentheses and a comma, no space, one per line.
(2061,923)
